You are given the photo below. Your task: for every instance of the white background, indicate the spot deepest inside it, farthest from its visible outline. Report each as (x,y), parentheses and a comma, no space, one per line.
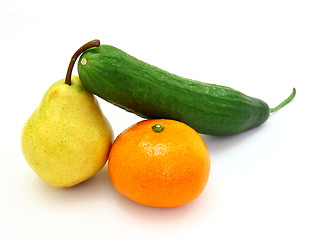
(264,183)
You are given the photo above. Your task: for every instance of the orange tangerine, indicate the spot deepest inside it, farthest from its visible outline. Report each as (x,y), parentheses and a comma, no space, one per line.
(159,163)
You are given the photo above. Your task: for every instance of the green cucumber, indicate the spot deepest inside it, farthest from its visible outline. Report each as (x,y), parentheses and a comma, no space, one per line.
(151,93)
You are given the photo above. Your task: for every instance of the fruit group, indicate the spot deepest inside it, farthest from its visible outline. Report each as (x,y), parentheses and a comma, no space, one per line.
(151,92)
(159,163)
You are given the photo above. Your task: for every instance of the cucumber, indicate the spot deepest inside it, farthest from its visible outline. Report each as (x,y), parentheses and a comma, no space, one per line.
(151,92)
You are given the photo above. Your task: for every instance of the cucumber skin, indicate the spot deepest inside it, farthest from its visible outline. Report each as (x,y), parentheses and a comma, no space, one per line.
(153,93)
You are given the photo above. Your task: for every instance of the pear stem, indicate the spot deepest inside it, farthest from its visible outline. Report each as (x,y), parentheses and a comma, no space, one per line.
(93,43)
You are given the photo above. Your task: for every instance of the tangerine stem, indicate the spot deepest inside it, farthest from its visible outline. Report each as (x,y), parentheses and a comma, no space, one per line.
(157,128)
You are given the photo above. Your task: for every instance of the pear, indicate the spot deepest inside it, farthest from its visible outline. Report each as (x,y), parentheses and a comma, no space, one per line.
(67,138)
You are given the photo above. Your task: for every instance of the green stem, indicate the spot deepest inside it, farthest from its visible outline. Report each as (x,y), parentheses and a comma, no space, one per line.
(285,102)
(157,128)
(93,43)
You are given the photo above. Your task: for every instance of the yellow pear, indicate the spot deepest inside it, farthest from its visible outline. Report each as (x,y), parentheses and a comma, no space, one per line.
(67,138)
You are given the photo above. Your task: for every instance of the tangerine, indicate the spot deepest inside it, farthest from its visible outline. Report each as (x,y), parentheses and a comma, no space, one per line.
(159,163)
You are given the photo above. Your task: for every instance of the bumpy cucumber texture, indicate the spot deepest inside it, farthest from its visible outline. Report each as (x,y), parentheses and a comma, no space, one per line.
(150,92)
